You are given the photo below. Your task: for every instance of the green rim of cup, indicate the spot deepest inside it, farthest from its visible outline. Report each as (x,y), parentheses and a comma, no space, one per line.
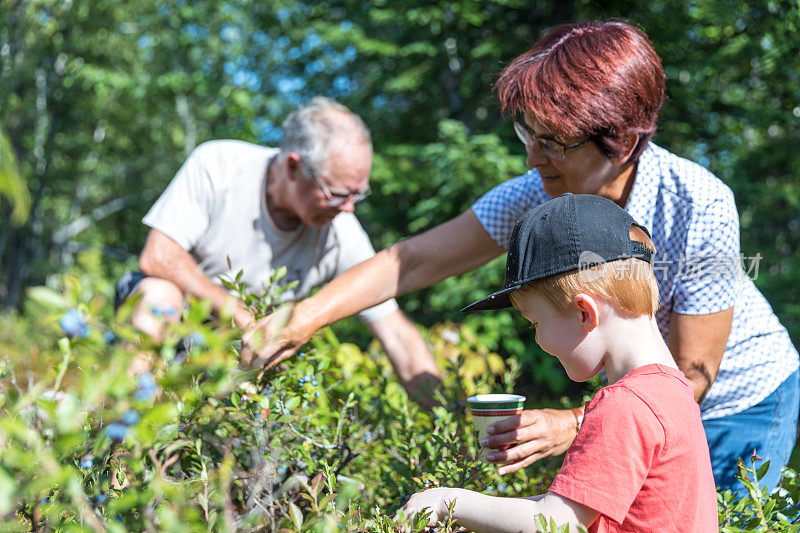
(495,402)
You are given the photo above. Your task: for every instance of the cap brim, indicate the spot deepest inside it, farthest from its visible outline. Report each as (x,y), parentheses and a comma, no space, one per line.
(497,300)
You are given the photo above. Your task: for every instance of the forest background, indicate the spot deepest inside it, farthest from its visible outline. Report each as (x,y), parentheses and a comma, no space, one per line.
(101,101)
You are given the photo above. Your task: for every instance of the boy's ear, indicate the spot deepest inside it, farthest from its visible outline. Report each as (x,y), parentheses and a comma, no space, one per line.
(588,311)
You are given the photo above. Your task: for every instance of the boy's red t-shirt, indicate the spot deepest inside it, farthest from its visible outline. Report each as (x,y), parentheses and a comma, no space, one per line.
(641,457)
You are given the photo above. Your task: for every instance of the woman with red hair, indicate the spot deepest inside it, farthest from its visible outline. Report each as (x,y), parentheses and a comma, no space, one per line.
(585,99)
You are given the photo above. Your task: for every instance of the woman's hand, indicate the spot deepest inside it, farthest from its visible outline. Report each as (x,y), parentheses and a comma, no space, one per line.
(532,435)
(268,341)
(433,500)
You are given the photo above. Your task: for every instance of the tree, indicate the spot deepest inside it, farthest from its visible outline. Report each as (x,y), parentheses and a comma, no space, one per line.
(103,100)
(12,184)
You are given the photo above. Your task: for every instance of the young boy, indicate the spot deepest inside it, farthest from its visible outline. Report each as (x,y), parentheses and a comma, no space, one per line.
(578,269)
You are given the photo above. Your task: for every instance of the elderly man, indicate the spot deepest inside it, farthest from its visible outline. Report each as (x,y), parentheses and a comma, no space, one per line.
(237,206)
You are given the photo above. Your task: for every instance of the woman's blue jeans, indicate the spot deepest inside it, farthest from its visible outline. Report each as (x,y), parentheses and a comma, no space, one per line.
(769,428)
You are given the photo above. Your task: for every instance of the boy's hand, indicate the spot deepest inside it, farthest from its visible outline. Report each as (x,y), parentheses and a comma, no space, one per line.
(534,434)
(433,500)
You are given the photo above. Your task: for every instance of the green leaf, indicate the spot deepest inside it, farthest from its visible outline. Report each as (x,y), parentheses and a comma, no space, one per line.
(292,402)
(762,471)
(159,415)
(297,515)
(48,297)
(8,489)
(280,317)
(347,492)
(68,415)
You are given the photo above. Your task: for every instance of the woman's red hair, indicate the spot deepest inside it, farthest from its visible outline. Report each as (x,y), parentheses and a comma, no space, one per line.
(601,80)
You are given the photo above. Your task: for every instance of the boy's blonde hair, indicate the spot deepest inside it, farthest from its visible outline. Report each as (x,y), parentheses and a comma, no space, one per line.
(627,284)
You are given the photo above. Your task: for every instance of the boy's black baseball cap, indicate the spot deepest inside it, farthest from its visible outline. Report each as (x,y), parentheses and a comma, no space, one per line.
(571,232)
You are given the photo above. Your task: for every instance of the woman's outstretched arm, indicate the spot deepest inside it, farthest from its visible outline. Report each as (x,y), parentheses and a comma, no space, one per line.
(457,246)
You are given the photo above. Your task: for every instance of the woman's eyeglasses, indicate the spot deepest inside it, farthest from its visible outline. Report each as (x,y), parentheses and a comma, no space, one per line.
(553,149)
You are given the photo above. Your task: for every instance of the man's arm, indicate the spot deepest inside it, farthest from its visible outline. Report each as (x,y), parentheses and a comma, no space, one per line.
(489,514)
(412,361)
(697,343)
(457,246)
(164,258)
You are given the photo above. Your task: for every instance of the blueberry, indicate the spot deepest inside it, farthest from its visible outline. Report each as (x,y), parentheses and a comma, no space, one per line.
(116,431)
(73,324)
(100,499)
(87,462)
(286,411)
(179,359)
(193,340)
(300,355)
(110,337)
(316,394)
(501,488)
(197,339)
(147,387)
(130,418)
(314,383)
(146,380)
(163,310)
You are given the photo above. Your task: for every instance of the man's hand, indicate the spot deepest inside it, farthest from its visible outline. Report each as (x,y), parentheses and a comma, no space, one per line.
(422,389)
(410,357)
(164,261)
(534,434)
(268,342)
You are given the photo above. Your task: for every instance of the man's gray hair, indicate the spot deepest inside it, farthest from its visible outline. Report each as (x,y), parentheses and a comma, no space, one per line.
(312,131)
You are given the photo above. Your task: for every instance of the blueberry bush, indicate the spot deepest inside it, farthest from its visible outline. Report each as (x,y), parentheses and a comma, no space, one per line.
(328,442)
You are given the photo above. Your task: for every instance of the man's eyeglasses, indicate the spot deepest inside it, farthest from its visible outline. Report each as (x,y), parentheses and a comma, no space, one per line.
(334,197)
(553,149)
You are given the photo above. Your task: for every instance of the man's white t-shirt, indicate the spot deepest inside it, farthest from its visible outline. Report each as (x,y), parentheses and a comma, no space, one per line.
(215,208)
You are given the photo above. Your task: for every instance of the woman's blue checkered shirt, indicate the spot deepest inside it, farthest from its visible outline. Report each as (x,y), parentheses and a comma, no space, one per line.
(693,220)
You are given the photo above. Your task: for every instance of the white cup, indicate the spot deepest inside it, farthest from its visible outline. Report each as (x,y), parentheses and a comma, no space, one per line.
(486,409)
